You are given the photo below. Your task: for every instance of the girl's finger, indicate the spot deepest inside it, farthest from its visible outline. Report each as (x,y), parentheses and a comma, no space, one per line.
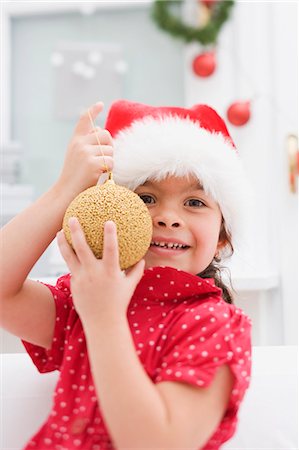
(95,130)
(84,124)
(105,163)
(97,150)
(82,249)
(110,247)
(67,252)
(102,136)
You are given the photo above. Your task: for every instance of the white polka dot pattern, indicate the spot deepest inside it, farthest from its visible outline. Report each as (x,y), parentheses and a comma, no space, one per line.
(182,330)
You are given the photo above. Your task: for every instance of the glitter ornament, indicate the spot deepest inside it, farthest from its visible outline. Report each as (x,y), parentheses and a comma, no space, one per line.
(98,204)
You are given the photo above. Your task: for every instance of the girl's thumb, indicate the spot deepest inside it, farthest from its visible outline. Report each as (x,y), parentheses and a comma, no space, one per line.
(136,272)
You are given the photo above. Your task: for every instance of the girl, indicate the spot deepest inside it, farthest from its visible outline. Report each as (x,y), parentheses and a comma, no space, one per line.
(156,357)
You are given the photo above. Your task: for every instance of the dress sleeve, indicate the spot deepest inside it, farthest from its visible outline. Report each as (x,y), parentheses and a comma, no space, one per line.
(48,360)
(204,338)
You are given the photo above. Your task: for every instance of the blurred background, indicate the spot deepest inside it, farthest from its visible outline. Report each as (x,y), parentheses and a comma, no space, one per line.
(239,57)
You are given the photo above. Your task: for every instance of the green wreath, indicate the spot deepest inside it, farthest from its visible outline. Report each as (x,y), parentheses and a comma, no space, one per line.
(174,26)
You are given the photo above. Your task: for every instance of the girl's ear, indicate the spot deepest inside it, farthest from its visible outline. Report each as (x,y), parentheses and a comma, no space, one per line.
(223,238)
(221,245)
(223,242)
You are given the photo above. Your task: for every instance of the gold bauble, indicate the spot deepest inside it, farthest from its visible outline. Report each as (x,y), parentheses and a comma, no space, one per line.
(94,206)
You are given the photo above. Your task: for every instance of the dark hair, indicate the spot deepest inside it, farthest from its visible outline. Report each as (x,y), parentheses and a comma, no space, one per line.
(215,270)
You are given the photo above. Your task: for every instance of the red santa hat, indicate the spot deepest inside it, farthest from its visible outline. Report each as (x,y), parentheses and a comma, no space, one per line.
(153,142)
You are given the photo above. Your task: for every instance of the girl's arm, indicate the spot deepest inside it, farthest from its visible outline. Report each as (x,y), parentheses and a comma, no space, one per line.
(27,307)
(138,413)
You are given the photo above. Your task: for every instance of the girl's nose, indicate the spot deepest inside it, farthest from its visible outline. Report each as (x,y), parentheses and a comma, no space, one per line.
(167,222)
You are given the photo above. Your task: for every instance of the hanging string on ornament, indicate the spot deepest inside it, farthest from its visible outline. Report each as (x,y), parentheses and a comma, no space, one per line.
(106,168)
(204,64)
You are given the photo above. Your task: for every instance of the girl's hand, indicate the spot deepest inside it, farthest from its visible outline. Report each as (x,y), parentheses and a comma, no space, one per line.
(100,289)
(84,162)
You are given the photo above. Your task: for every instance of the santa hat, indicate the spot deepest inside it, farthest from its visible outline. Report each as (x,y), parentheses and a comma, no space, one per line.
(153,142)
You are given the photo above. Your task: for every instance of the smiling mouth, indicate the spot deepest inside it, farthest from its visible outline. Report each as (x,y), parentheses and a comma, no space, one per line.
(169,245)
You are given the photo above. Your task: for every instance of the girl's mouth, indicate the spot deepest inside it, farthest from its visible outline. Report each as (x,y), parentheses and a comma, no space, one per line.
(168,248)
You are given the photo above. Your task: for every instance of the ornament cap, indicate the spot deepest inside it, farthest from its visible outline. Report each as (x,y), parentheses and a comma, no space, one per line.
(109,181)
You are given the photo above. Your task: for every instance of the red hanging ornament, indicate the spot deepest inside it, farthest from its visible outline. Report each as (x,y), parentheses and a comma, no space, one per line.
(204,64)
(239,113)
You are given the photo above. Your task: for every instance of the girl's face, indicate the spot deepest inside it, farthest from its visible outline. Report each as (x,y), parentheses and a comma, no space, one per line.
(186,224)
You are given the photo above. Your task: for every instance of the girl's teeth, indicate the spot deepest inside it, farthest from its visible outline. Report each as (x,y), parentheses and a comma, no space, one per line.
(168,245)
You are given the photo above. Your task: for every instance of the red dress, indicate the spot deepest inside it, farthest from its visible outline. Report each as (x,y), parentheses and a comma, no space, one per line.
(182,330)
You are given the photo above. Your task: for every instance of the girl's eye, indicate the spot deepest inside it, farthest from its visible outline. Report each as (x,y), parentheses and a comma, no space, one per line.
(148,199)
(194,203)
